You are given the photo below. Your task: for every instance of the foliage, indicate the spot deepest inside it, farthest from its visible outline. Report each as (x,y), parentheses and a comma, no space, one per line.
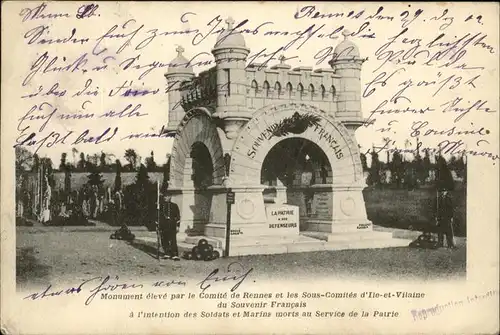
(36,162)
(397,169)
(62,165)
(166,175)
(296,124)
(363,162)
(102,161)
(150,162)
(82,164)
(67,181)
(24,159)
(374,172)
(131,157)
(95,177)
(118,177)
(48,170)
(444,179)
(140,200)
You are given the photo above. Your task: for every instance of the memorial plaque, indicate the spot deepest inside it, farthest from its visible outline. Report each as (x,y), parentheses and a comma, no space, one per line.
(283,219)
(322,205)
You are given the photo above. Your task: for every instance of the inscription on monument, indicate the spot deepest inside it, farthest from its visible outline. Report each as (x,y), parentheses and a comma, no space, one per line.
(283,218)
(322,205)
(324,136)
(236,232)
(363,226)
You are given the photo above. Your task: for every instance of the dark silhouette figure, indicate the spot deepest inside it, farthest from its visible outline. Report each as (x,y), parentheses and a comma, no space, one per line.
(169,224)
(444,218)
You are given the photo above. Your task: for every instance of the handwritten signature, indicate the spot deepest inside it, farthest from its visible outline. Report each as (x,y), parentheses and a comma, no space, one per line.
(234,273)
(105,284)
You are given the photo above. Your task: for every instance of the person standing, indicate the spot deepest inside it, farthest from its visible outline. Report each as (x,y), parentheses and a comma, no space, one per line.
(444,217)
(444,204)
(169,226)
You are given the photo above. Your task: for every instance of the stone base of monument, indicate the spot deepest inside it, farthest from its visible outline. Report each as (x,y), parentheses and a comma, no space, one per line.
(304,242)
(331,226)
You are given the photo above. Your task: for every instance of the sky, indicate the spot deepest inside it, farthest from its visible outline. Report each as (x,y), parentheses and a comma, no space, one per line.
(476,82)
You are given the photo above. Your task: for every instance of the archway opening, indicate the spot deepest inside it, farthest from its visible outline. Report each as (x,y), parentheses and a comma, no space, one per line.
(289,170)
(202,166)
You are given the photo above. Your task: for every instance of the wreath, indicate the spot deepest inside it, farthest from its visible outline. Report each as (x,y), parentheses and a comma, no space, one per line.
(296,124)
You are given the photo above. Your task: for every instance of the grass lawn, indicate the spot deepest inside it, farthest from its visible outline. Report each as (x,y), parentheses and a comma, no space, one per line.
(404,209)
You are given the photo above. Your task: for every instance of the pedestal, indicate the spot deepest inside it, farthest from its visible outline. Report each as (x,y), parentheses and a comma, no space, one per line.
(248,215)
(338,209)
(194,206)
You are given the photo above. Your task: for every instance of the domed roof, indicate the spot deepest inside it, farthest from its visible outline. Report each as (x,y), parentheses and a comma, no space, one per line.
(229,38)
(179,63)
(346,48)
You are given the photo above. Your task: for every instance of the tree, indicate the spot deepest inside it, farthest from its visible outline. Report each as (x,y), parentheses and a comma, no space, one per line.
(142,177)
(426,164)
(82,164)
(140,199)
(74,151)
(118,176)
(62,165)
(407,145)
(166,175)
(464,164)
(47,166)
(374,172)
(36,162)
(24,159)
(387,140)
(150,162)
(444,179)
(95,177)
(102,161)
(362,156)
(397,169)
(419,169)
(67,181)
(131,157)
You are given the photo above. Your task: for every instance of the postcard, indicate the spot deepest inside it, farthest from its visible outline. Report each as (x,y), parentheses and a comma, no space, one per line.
(249,167)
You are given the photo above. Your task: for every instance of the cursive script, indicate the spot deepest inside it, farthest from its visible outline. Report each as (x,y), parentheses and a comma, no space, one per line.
(235,273)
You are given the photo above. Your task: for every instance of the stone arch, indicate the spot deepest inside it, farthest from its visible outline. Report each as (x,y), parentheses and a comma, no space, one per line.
(196,126)
(311,91)
(333,92)
(300,91)
(277,89)
(289,89)
(255,88)
(267,90)
(255,140)
(323,92)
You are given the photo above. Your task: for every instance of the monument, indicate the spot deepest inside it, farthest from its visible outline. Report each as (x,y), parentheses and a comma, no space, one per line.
(282,139)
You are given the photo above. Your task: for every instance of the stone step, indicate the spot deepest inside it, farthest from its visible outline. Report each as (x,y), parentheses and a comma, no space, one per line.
(271,245)
(351,236)
(318,246)
(333,227)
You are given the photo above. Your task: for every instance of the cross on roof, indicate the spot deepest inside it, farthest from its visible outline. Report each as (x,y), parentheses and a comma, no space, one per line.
(282,59)
(346,33)
(179,50)
(230,22)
